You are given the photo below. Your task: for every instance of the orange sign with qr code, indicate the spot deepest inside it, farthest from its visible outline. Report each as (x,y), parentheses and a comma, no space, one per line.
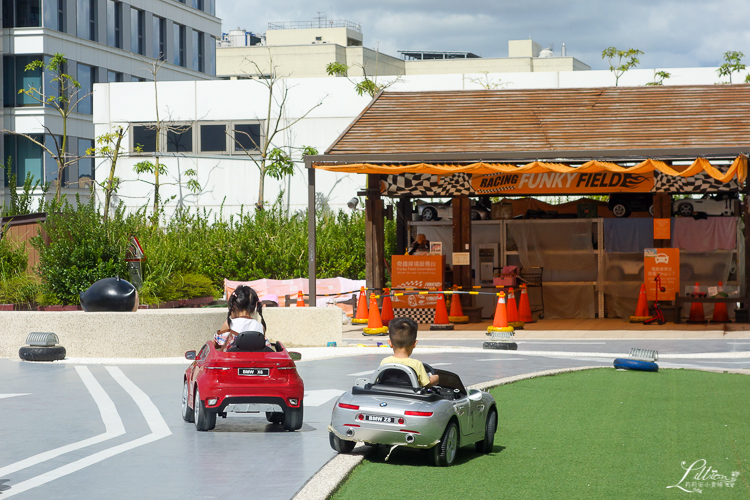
(664,263)
(419,272)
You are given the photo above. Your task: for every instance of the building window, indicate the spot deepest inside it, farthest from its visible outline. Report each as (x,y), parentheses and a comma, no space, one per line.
(26,80)
(86,77)
(51,10)
(178,57)
(87,19)
(61,22)
(22,14)
(145,137)
(114,24)
(25,156)
(137,31)
(213,138)
(114,76)
(198,52)
(198,4)
(85,165)
(160,38)
(247,137)
(134,78)
(180,139)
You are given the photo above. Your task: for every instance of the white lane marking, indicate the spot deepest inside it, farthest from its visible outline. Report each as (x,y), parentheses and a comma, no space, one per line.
(13,395)
(159,430)
(359,374)
(320,397)
(439,364)
(503,359)
(561,343)
(112,425)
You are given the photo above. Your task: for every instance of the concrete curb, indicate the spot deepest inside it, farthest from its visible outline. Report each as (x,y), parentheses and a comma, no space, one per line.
(333,473)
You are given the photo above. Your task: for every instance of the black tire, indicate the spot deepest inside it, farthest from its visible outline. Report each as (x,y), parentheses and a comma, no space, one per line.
(340,445)
(475,215)
(204,420)
(651,210)
(54,353)
(504,346)
(620,210)
(634,364)
(490,427)
(187,412)
(429,214)
(444,453)
(275,417)
(293,418)
(685,209)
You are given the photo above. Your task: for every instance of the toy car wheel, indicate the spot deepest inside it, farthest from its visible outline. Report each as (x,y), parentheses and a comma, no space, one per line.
(651,210)
(275,417)
(41,353)
(293,418)
(475,215)
(490,426)
(340,445)
(685,209)
(444,453)
(187,412)
(430,213)
(204,420)
(620,210)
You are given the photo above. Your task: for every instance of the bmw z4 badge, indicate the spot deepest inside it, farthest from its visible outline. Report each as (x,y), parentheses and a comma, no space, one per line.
(383,404)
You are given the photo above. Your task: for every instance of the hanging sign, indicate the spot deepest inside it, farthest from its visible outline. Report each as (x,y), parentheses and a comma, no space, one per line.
(562,183)
(420,272)
(665,263)
(662,229)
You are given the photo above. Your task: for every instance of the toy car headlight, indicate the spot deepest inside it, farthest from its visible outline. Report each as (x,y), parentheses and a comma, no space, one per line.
(212,401)
(293,401)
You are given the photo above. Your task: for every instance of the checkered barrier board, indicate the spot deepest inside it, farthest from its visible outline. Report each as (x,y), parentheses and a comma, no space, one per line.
(421,316)
(700,183)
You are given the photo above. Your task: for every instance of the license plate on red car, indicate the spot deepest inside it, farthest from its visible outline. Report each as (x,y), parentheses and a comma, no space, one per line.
(380,419)
(253,372)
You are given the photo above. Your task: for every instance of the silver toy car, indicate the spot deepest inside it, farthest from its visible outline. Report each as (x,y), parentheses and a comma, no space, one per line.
(391,408)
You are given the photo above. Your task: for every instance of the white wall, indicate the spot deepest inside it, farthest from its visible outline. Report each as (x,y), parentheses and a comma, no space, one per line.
(235,181)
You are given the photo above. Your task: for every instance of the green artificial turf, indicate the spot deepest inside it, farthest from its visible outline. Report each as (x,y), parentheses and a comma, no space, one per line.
(600,434)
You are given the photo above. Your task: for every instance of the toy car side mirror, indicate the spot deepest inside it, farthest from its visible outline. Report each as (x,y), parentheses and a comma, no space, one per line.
(190,355)
(475,395)
(295,355)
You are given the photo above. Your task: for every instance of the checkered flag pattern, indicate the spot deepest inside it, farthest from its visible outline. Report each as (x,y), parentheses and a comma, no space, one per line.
(428,185)
(421,316)
(700,183)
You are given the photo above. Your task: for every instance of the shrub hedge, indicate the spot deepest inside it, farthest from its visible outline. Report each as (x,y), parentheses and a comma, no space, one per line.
(192,253)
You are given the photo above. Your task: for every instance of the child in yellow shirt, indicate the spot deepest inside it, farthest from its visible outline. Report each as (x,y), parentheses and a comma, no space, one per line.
(402,337)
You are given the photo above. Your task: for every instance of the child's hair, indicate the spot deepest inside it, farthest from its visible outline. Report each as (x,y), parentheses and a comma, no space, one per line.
(245,299)
(403,332)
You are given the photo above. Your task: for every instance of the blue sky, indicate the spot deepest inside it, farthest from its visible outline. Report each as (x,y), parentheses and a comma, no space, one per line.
(672,34)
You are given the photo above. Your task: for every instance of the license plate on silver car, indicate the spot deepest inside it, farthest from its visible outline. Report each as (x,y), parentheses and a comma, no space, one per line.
(253,372)
(380,419)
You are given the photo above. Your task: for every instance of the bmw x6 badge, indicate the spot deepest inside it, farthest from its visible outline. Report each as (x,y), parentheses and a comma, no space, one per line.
(383,404)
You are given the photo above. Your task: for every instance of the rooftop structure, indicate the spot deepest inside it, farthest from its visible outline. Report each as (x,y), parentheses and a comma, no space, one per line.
(421,55)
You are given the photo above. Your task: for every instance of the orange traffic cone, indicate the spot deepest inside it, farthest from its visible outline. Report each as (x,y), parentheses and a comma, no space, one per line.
(512,310)
(300,300)
(374,323)
(500,322)
(387,314)
(720,311)
(696,309)
(361,317)
(641,310)
(441,315)
(457,312)
(524,308)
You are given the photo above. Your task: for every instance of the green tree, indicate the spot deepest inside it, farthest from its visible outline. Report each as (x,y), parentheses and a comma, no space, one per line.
(626,59)
(369,86)
(69,94)
(733,64)
(110,148)
(268,157)
(659,77)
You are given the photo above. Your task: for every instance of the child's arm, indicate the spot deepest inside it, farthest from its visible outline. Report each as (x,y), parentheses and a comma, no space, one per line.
(434,379)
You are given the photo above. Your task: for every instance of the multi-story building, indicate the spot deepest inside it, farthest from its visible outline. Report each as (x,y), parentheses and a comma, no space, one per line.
(103,41)
(304,49)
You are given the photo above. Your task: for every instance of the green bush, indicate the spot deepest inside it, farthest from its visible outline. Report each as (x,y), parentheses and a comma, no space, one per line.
(13,259)
(187,286)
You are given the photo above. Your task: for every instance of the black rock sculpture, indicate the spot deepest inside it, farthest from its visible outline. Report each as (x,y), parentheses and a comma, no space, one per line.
(110,295)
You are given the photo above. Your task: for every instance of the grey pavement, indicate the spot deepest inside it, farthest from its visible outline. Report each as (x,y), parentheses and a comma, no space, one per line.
(244,457)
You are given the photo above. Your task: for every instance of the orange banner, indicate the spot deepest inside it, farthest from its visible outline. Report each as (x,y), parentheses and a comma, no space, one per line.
(664,263)
(417,271)
(562,183)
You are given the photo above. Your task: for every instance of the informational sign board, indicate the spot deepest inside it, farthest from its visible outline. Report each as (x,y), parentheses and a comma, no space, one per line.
(417,271)
(662,229)
(461,259)
(562,183)
(665,263)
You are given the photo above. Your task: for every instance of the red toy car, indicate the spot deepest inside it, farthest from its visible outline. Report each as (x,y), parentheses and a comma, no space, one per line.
(249,378)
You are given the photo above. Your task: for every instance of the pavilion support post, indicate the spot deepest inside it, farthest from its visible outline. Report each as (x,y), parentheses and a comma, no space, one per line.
(403,216)
(462,242)
(374,235)
(312,271)
(744,281)
(662,210)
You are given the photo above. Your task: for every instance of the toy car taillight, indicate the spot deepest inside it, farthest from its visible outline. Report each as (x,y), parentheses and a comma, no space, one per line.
(217,368)
(348,407)
(418,413)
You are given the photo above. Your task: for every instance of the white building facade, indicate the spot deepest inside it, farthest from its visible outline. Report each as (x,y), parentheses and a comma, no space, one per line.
(213,113)
(103,41)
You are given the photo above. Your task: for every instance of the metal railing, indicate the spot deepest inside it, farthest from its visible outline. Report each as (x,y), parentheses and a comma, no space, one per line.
(317,23)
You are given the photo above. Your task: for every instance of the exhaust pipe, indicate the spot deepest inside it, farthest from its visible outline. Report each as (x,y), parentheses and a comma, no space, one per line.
(349,432)
(410,438)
